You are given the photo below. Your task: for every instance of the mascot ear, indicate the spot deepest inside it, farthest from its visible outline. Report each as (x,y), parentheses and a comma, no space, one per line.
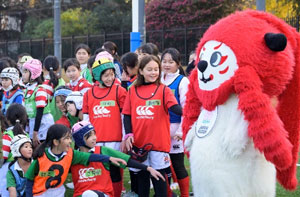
(275,42)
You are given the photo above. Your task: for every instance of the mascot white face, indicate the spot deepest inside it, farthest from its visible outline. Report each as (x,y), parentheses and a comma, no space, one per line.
(217,64)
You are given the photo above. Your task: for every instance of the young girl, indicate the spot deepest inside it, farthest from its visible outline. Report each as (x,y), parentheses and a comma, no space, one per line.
(83,53)
(52,162)
(17,119)
(130,65)
(179,86)
(60,96)
(102,106)
(112,48)
(77,82)
(73,104)
(52,82)
(21,149)
(146,122)
(10,84)
(85,139)
(36,102)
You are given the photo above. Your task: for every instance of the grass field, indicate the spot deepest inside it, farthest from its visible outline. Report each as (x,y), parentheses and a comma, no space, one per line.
(280,192)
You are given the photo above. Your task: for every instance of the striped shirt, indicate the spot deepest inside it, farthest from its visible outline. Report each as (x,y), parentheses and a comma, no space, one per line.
(41,96)
(6,141)
(81,85)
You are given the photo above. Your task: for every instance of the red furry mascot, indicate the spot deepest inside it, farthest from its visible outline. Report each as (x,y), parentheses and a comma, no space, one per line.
(241,118)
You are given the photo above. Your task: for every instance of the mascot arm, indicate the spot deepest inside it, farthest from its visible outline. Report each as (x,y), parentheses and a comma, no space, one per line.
(192,107)
(265,127)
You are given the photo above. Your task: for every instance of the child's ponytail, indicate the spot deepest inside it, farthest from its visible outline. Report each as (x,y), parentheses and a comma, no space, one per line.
(17,117)
(18,128)
(40,150)
(51,64)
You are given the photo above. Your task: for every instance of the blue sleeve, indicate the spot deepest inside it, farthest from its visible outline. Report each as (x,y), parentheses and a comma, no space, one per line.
(29,186)
(19,99)
(98,158)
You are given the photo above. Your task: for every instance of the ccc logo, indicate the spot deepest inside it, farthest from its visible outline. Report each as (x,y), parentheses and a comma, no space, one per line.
(100,110)
(144,110)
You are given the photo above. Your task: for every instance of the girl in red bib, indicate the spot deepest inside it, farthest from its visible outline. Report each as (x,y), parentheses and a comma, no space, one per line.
(102,106)
(147,126)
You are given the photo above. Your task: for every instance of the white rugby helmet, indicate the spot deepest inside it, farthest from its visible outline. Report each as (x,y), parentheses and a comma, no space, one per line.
(76,98)
(12,74)
(16,144)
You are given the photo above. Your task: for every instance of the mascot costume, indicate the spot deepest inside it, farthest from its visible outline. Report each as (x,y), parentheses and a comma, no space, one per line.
(241,118)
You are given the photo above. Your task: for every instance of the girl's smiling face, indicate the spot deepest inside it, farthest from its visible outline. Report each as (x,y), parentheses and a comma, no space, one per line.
(26,150)
(73,73)
(168,64)
(60,103)
(150,72)
(65,143)
(90,139)
(25,76)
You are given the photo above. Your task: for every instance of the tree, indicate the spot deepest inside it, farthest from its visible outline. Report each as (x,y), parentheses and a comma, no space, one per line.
(179,13)
(114,16)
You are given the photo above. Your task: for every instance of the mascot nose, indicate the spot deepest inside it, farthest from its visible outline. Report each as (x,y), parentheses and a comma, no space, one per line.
(202,65)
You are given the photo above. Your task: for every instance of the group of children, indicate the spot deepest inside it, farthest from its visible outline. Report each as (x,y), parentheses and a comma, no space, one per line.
(117,116)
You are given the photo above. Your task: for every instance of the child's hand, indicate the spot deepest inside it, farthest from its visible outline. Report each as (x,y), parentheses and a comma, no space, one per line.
(155,173)
(117,161)
(123,147)
(129,142)
(35,139)
(124,77)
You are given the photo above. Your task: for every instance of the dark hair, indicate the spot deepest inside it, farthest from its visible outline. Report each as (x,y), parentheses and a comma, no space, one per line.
(55,132)
(71,62)
(144,61)
(129,60)
(3,64)
(17,117)
(3,122)
(154,47)
(112,48)
(51,64)
(145,48)
(99,50)
(83,46)
(91,61)
(11,62)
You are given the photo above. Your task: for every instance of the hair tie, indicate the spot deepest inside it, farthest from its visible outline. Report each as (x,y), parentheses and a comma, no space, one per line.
(18,121)
(51,68)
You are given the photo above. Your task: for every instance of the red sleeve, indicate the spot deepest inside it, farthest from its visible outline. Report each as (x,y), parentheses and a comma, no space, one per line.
(170,99)
(64,121)
(121,96)
(127,107)
(85,107)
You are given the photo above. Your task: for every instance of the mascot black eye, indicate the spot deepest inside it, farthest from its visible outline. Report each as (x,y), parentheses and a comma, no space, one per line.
(215,58)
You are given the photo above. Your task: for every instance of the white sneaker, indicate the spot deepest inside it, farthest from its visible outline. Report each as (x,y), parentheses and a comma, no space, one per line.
(70,185)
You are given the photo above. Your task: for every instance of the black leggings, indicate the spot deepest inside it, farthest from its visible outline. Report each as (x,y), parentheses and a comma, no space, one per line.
(178,165)
(115,173)
(160,186)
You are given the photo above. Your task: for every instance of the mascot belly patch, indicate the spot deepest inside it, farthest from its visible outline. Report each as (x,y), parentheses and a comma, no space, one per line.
(224,163)
(239,139)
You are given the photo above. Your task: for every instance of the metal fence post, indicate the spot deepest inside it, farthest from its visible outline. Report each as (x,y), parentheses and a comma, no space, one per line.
(43,47)
(162,39)
(6,48)
(185,45)
(30,44)
(122,42)
(104,36)
(72,45)
(88,39)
